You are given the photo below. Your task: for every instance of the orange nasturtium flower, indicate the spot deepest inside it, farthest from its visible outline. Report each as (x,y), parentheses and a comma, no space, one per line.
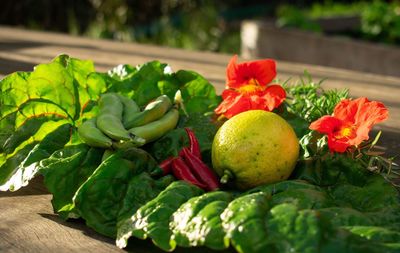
(351,122)
(247,88)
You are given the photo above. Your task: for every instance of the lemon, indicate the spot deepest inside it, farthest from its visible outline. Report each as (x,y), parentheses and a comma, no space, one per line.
(255,147)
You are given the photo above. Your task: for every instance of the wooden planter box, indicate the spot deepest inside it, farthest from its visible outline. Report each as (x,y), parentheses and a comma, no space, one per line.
(262,39)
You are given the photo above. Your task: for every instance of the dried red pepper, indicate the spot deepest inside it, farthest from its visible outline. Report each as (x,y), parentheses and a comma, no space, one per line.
(200,170)
(193,142)
(166,165)
(182,171)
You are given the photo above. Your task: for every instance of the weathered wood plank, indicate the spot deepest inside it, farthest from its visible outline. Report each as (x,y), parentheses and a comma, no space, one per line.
(29,225)
(263,38)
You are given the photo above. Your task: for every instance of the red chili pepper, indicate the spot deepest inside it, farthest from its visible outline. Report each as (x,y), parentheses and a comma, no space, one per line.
(194,143)
(201,170)
(182,171)
(166,165)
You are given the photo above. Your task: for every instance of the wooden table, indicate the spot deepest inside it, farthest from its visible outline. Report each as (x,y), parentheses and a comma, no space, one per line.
(27,222)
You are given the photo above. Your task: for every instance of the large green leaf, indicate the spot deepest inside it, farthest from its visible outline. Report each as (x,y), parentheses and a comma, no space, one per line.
(65,171)
(244,223)
(33,104)
(152,219)
(101,197)
(197,93)
(18,175)
(9,167)
(141,189)
(198,223)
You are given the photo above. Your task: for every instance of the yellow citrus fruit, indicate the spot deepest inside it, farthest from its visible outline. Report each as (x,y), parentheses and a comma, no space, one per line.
(255,147)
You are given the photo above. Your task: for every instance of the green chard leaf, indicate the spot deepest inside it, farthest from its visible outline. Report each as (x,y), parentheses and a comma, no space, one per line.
(100,198)
(152,219)
(140,83)
(345,216)
(375,194)
(65,171)
(335,209)
(244,223)
(23,133)
(8,178)
(17,176)
(291,229)
(282,186)
(33,104)
(141,189)
(198,94)
(197,222)
(377,234)
(303,198)
(169,145)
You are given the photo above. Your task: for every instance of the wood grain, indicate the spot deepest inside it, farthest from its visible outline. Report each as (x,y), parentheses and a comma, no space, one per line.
(27,222)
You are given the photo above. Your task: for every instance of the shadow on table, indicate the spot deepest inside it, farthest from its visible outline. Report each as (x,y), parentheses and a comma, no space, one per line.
(134,244)
(78,224)
(35,187)
(8,66)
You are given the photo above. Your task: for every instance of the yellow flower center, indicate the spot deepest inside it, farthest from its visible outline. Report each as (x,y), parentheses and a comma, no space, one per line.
(345,132)
(251,87)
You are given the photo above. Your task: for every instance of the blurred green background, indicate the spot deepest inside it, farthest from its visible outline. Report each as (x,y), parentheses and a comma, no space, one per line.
(197,24)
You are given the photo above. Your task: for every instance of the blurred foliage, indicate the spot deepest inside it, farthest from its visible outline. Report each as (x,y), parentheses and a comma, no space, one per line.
(335,9)
(291,16)
(380,20)
(193,24)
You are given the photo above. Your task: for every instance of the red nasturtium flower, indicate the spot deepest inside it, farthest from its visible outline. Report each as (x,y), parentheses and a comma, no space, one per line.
(247,88)
(351,122)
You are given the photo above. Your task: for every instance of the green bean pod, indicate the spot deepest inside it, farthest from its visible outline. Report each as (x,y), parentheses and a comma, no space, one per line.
(136,141)
(130,108)
(92,136)
(112,126)
(109,120)
(157,128)
(153,111)
(109,103)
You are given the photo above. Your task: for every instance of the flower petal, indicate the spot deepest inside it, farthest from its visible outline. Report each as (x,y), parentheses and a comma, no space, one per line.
(233,103)
(358,115)
(326,124)
(337,145)
(231,72)
(362,134)
(273,96)
(361,111)
(370,113)
(263,71)
(345,111)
